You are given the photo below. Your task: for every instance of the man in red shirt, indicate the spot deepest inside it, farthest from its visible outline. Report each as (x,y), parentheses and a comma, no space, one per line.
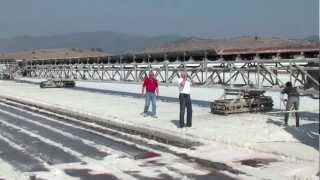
(152,90)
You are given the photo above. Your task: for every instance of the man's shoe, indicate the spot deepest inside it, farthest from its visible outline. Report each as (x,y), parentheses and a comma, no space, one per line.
(155,116)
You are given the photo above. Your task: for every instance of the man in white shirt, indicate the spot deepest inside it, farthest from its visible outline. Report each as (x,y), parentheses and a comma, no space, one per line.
(184,98)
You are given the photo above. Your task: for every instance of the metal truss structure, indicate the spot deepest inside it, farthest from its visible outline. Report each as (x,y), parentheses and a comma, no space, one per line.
(262,68)
(8,69)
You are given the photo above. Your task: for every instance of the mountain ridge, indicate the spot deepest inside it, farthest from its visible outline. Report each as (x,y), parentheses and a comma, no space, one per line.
(119,43)
(110,42)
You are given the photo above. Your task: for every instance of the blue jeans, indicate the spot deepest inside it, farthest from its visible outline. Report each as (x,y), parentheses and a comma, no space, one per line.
(150,97)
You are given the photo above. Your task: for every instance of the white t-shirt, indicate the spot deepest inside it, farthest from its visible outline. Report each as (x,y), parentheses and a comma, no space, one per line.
(186,88)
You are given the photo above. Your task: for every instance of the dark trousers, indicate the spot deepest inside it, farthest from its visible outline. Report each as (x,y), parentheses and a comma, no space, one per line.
(185,102)
(292,104)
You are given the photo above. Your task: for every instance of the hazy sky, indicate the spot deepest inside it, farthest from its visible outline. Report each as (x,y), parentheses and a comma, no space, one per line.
(203,18)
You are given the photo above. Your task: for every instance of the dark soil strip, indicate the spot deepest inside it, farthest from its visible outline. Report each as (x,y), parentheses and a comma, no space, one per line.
(210,176)
(84,174)
(132,150)
(22,161)
(74,144)
(257,162)
(209,165)
(32,145)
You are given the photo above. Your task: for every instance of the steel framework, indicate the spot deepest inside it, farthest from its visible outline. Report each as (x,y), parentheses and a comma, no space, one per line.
(206,73)
(262,67)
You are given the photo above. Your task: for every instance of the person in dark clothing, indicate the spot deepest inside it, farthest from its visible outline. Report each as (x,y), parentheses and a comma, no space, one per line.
(185,100)
(292,102)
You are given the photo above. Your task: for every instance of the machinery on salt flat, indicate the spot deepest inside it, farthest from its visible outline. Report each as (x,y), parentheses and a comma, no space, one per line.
(4,76)
(58,83)
(243,100)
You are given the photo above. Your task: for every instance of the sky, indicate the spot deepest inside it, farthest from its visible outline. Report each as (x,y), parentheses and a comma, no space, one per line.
(201,18)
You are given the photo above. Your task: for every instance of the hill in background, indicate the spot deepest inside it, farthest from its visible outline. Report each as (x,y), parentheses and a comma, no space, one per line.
(245,42)
(53,54)
(118,43)
(110,42)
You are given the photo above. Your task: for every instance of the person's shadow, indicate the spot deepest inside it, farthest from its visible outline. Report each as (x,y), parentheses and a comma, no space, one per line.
(306,133)
(271,121)
(176,123)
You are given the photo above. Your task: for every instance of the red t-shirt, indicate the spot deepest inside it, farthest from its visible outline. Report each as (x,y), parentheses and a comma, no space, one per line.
(150,84)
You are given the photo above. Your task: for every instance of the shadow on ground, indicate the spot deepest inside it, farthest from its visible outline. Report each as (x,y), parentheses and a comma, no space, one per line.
(309,116)
(176,123)
(307,133)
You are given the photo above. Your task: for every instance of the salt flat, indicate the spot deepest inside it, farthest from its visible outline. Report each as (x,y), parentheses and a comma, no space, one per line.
(228,138)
